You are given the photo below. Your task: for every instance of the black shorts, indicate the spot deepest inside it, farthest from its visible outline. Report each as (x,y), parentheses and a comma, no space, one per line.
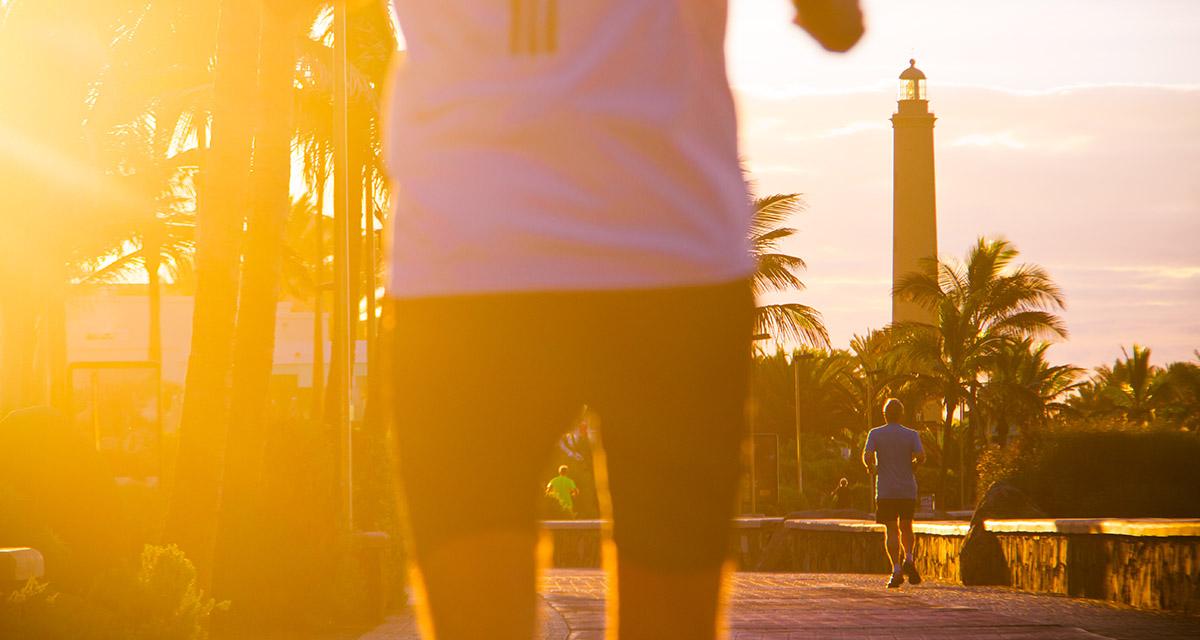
(889,510)
(485,385)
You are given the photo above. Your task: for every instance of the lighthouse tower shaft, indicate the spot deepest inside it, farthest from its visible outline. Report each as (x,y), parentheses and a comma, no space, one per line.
(914,201)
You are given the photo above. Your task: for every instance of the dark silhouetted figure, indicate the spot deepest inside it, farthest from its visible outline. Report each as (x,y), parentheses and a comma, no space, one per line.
(841,494)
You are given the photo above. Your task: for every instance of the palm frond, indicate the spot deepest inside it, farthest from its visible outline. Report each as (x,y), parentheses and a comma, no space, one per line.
(777,272)
(792,321)
(769,212)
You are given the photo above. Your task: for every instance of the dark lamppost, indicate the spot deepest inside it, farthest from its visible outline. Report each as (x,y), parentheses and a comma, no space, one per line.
(799,457)
(753,414)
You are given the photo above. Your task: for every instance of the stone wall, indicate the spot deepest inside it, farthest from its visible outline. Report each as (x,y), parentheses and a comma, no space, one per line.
(574,544)
(750,540)
(1146,572)
(857,547)
(1150,564)
(577,543)
(937,556)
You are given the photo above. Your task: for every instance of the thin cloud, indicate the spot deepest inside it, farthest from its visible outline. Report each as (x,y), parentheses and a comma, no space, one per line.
(1159,271)
(1004,139)
(855,127)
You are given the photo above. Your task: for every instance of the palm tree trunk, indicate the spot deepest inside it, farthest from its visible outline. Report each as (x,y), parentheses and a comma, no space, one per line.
(56,336)
(151,255)
(18,330)
(975,444)
(318,364)
(963,439)
(869,403)
(947,429)
(238,557)
(195,501)
(368,260)
(357,150)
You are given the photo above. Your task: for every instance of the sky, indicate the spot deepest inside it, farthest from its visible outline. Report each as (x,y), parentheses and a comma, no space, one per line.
(1071,128)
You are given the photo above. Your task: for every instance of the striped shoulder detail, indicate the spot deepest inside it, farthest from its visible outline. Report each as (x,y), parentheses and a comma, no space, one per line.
(533,27)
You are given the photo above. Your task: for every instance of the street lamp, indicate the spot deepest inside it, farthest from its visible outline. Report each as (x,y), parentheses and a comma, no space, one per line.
(344,308)
(753,453)
(796,384)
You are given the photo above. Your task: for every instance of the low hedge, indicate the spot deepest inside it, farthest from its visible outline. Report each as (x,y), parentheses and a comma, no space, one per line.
(1091,474)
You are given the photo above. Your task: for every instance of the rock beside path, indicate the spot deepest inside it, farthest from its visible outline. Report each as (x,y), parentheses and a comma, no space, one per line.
(981,561)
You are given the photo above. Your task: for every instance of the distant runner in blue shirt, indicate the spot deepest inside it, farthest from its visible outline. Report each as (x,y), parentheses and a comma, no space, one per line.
(892,454)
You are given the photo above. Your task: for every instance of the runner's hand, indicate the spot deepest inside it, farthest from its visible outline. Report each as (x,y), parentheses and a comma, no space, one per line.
(836,25)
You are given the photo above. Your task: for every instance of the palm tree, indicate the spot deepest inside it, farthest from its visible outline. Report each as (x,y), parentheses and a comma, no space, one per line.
(236,561)
(1023,388)
(1132,389)
(160,231)
(874,375)
(816,379)
(372,47)
(1183,379)
(191,520)
(776,271)
(977,305)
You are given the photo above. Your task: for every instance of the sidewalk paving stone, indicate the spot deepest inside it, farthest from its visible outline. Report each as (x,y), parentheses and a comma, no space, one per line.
(794,606)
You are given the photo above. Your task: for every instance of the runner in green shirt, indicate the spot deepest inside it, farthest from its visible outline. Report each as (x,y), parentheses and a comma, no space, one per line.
(564,490)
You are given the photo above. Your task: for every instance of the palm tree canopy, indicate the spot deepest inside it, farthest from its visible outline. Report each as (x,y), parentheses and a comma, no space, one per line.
(980,307)
(977,305)
(776,271)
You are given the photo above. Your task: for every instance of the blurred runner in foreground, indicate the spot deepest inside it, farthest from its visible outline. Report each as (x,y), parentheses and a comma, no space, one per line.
(570,227)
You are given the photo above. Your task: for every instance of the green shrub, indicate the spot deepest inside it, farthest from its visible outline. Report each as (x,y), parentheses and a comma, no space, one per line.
(997,463)
(162,601)
(28,612)
(1083,473)
(158,601)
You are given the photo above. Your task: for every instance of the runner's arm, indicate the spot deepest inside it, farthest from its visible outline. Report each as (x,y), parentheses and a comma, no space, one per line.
(918,453)
(837,25)
(868,455)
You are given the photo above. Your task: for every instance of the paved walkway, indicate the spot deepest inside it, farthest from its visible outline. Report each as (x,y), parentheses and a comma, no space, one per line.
(793,606)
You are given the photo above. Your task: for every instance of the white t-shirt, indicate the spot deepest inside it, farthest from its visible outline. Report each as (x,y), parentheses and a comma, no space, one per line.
(542,145)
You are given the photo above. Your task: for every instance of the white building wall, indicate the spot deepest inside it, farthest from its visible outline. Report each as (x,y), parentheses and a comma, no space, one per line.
(111,324)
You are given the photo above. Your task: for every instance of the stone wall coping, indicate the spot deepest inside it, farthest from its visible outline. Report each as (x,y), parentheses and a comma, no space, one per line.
(755,523)
(839,524)
(1142,527)
(738,523)
(561,525)
(19,564)
(942,528)
(928,527)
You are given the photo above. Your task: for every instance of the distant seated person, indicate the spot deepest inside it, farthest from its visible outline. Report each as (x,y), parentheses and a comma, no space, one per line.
(563,489)
(841,494)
